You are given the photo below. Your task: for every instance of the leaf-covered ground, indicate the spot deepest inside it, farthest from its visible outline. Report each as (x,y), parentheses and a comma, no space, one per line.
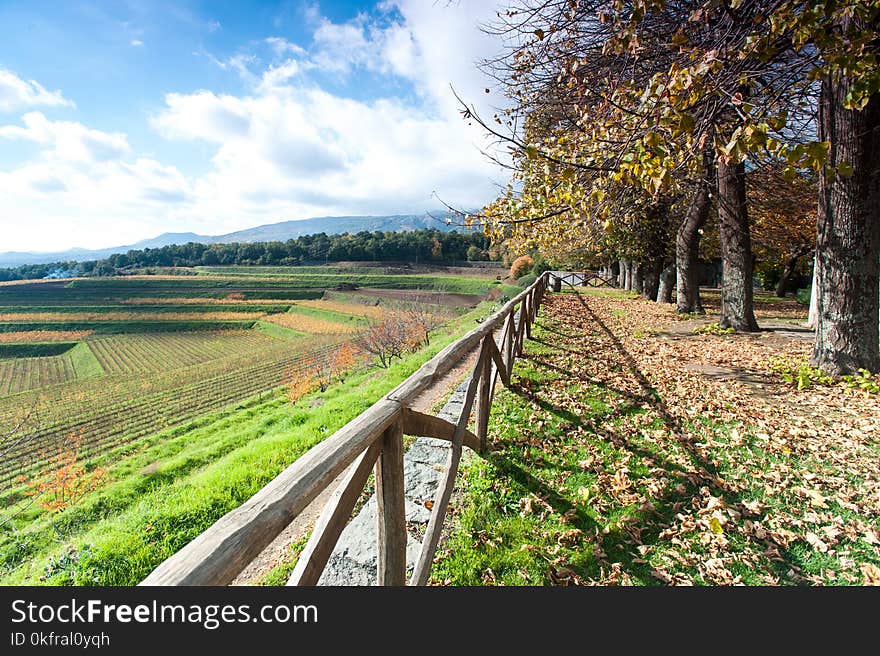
(631,451)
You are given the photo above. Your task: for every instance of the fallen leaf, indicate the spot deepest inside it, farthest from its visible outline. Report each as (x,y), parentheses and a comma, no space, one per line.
(816,542)
(871,573)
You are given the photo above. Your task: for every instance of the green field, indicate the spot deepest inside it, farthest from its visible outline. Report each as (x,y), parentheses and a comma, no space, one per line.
(139,376)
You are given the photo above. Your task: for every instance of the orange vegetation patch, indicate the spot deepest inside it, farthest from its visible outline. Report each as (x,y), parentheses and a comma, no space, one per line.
(310,324)
(356,309)
(129,316)
(44,336)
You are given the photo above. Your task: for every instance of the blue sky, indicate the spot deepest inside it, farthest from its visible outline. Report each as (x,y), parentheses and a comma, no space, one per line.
(121,120)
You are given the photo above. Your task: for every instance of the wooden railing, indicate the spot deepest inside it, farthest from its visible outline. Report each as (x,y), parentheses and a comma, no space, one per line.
(581,279)
(373,441)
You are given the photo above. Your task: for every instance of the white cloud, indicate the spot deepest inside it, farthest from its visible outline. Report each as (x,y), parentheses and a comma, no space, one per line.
(202,115)
(67,140)
(284,148)
(278,74)
(136,42)
(282,46)
(16,94)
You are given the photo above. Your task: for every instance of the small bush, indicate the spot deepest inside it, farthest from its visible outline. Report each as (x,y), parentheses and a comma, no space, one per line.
(521,266)
(526,280)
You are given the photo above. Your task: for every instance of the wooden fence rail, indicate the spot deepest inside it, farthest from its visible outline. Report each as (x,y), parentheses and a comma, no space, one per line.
(371,442)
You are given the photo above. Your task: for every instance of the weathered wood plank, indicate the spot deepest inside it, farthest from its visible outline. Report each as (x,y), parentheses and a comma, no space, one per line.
(333,519)
(496,368)
(441,498)
(391,563)
(520,332)
(527,310)
(511,345)
(484,398)
(422,425)
(216,556)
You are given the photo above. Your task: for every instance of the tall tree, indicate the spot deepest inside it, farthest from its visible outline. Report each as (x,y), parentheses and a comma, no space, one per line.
(848,246)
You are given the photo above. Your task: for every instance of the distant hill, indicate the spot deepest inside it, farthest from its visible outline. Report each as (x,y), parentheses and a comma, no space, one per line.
(269,232)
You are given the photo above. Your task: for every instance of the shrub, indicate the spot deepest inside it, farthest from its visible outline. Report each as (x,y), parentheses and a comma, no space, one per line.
(521,266)
(803,295)
(527,280)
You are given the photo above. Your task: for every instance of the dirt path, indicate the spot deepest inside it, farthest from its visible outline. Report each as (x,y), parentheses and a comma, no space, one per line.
(278,550)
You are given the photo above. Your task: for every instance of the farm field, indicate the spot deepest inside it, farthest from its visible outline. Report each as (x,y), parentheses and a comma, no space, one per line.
(100,368)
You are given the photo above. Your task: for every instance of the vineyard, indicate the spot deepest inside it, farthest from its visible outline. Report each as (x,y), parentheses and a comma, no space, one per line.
(120,409)
(113,360)
(20,374)
(160,352)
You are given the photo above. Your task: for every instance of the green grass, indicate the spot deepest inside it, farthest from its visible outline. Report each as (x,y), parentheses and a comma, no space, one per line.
(85,364)
(587,480)
(168,488)
(293,277)
(281,572)
(274,330)
(153,308)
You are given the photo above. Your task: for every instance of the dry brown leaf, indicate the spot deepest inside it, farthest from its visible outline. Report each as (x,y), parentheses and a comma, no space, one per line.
(871,573)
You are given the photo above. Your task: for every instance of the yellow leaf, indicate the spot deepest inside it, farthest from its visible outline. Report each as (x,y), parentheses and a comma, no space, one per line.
(715,526)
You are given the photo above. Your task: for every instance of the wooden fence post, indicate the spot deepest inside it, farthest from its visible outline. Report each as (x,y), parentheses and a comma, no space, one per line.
(484,396)
(391,562)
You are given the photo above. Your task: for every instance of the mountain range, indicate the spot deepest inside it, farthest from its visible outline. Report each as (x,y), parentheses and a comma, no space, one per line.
(269,232)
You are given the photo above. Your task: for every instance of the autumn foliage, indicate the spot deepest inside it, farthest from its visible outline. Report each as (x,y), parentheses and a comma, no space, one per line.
(521,266)
(321,373)
(64,479)
(399,333)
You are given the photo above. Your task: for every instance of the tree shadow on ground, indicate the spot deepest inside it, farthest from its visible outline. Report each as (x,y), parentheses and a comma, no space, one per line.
(684,488)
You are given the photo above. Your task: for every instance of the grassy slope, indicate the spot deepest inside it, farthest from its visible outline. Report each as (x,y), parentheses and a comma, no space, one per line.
(274,330)
(168,488)
(85,364)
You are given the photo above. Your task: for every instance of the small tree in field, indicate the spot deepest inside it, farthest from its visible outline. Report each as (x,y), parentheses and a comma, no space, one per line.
(343,361)
(392,337)
(298,384)
(422,318)
(64,479)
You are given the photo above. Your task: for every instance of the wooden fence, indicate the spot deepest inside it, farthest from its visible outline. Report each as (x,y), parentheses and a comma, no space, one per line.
(581,279)
(373,441)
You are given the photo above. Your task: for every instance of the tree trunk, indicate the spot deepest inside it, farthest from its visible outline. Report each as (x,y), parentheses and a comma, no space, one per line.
(788,270)
(628,281)
(848,239)
(651,279)
(614,272)
(637,275)
(737,310)
(621,274)
(667,283)
(687,249)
